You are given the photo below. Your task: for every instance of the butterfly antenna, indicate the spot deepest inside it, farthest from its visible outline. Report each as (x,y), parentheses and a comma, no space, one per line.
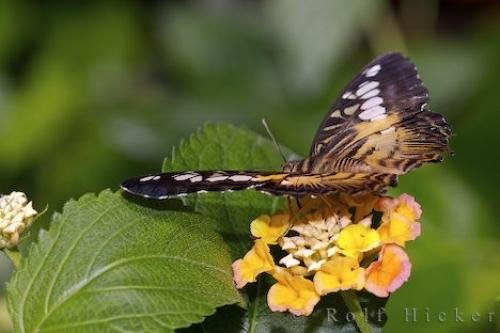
(278,147)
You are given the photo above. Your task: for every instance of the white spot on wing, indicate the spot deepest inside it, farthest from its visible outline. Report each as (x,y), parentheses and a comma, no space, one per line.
(371,93)
(372,71)
(363,83)
(240,178)
(372,113)
(145,179)
(351,109)
(329,128)
(367,87)
(196,179)
(185,176)
(217,178)
(335,114)
(348,95)
(374,101)
(318,147)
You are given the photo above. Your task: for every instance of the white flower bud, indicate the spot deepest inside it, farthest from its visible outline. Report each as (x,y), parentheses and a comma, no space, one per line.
(287,244)
(303,253)
(319,245)
(332,251)
(315,265)
(289,261)
(16,215)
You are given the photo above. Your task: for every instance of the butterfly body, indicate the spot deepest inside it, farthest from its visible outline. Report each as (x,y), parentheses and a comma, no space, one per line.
(378,128)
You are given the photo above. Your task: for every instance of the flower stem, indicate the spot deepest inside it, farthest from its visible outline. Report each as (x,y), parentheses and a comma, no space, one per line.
(14,256)
(352,303)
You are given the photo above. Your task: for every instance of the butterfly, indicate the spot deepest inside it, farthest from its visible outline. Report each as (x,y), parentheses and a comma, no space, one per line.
(378,128)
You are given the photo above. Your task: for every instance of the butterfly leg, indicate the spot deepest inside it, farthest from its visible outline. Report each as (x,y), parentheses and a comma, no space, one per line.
(291,206)
(297,209)
(325,200)
(297,201)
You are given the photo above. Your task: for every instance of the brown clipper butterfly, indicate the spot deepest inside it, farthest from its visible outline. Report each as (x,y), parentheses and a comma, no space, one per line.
(378,128)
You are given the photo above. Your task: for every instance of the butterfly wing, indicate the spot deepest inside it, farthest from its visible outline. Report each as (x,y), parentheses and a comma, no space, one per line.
(175,184)
(378,128)
(380,123)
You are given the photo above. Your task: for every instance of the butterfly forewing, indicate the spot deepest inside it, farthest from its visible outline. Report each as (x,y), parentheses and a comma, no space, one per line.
(379,123)
(390,83)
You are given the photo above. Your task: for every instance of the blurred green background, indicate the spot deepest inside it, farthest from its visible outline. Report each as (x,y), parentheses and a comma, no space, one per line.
(93,93)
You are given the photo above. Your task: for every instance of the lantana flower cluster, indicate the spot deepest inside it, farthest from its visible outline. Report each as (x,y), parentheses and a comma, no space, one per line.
(16,214)
(330,244)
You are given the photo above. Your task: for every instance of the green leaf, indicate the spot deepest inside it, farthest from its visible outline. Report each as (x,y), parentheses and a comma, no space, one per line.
(218,147)
(109,265)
